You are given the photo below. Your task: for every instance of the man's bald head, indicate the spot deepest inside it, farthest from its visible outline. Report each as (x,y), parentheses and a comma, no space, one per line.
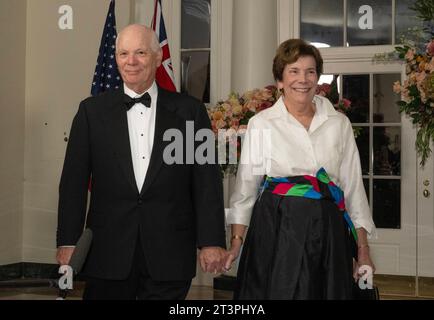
(140,30)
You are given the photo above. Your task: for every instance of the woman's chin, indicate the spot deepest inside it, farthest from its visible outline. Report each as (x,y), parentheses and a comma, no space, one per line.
(305,99)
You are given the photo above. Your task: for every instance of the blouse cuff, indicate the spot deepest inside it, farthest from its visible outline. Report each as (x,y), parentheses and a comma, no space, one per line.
(368,226)
(237,216)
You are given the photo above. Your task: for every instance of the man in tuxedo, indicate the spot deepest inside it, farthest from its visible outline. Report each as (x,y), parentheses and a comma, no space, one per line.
(148,217)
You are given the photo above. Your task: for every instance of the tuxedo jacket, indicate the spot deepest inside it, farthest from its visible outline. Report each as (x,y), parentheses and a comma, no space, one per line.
(179,209)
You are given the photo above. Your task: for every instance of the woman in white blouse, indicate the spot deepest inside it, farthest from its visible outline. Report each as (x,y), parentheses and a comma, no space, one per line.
(301,241)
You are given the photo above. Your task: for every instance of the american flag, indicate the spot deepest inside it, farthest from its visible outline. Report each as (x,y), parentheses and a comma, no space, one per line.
(164,76)
(106,76)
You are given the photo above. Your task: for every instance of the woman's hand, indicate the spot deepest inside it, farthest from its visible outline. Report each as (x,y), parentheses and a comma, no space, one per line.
(364,262)
(364,265)
(232,254)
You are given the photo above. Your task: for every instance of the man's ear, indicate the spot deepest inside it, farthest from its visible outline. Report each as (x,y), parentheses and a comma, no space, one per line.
(159,57)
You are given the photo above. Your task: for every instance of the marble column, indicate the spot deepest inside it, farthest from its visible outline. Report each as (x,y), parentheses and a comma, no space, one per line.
(254,43)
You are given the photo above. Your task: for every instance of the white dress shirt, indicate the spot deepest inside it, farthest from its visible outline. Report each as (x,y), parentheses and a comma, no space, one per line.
(291,150)
(141,129)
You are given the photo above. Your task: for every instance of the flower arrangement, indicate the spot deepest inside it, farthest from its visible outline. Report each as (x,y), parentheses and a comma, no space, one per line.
(417,94)
(232,115)
(417,91)
(236,111)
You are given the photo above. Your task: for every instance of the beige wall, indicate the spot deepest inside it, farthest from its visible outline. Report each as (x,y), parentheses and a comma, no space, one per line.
(12,65)
(60,67)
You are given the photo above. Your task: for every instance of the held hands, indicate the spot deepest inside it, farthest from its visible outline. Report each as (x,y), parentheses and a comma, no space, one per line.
(217,260)
(212,259)
(233,253)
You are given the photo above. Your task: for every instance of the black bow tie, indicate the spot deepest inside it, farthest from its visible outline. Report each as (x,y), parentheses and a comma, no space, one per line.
(145,99)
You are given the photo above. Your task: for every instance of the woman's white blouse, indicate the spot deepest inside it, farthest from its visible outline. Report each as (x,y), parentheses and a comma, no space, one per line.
(277,145)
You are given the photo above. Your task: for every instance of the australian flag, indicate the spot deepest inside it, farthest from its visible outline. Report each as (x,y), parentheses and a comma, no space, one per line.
(106,76)
(164,76)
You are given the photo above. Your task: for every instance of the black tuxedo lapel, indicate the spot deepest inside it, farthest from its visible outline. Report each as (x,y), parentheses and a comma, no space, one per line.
(165,119)
(117,128)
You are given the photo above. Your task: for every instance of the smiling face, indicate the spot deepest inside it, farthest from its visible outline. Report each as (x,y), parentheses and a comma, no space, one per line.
(299,81)
(138,57)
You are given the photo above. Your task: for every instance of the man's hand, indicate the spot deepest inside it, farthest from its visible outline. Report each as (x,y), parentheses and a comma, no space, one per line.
(64,255)
(212,259)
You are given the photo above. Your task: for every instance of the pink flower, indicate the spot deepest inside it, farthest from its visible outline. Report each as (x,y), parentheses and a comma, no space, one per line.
(324,89)
(429,67)
(252,105)
(423,96)
(410,54)
(263,95)
(235,123)
(420,77)
(271,88)
(228,114)
(430,48)
(347,103)
(430,86)
(248,95)
(264,105)
(404,91)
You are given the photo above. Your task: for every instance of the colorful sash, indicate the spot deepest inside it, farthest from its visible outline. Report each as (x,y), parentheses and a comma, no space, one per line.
(310,188)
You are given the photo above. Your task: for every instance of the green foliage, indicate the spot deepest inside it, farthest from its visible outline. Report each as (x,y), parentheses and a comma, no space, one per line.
(424,9)
(418,90)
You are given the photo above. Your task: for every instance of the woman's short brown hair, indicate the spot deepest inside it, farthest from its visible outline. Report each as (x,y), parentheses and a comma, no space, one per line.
(290,51)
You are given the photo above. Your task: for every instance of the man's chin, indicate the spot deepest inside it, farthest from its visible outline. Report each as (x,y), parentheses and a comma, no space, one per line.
(132,82)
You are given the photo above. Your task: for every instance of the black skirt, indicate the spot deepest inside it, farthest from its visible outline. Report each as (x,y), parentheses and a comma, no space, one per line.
(295,248)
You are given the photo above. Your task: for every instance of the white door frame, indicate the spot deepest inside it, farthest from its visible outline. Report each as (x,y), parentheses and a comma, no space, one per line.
(394,251)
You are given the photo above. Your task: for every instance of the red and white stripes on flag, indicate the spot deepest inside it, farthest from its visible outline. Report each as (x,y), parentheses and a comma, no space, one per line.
(164,76)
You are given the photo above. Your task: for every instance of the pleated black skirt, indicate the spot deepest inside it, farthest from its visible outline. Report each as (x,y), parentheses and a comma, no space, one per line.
(295,248)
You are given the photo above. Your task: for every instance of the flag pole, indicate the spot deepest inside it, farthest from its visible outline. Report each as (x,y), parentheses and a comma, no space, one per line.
(106,76)
(165,75)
